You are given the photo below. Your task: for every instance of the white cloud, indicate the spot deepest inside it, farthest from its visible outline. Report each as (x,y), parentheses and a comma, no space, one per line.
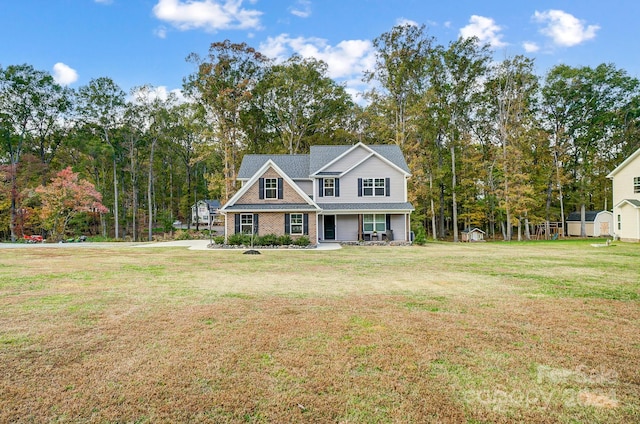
(210,15)
(485,29)
(160,32)
(347,58)
(104,1)
(302,9)
(346,61)
(404,21)
(563,28)
(63,74)
(530,47)
(140,95)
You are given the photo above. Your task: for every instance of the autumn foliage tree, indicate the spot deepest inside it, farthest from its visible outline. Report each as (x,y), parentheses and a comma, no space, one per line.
(65,197)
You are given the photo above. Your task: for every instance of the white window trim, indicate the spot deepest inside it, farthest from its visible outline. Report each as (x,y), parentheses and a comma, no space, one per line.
(268,189)
(292,224)
(636,184)
(375,184)
(332,187)
(374,221)
(245,224)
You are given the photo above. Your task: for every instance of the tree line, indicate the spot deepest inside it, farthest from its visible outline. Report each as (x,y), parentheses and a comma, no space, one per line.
(490,144)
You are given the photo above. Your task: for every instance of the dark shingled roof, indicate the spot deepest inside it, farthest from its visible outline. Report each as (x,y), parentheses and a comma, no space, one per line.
(295,166)
(589,216)
(302,166)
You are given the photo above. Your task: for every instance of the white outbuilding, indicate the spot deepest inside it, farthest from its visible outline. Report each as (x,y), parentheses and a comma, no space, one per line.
(597,223)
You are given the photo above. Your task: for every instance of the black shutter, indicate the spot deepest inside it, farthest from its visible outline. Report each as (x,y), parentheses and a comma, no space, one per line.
(321,187)
(387,186)
(388,218)
(336,188)
(237,223)
(255,223)
(305,224)
(287,223)
(261,188)
(280,187)
(359,187)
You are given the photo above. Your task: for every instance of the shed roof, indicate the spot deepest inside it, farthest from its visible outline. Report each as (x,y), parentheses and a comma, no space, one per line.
(589,216)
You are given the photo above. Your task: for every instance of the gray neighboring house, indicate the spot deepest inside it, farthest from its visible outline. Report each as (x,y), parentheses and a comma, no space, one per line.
(335,193)
(205,212)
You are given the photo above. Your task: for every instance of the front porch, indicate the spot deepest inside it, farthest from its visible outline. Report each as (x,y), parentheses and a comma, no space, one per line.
(372,228)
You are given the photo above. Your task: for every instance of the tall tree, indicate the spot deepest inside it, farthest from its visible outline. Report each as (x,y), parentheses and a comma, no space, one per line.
(401,63)
(31,107)
(299,99)
(101,104)
(585,113)
(512,92)
(223,84)
(456,73)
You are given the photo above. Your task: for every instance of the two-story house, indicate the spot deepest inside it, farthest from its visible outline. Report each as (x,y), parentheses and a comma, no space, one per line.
(335,193)
(626,198)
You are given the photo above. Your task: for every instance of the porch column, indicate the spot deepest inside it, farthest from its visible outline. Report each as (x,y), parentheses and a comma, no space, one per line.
(360,218)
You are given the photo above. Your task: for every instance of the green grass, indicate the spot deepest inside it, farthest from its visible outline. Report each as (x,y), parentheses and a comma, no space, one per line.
(477,333)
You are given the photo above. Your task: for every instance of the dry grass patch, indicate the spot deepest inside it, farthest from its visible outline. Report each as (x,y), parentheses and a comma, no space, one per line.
(538,332)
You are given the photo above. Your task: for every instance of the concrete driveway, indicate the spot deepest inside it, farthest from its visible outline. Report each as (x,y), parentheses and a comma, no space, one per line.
(189,244)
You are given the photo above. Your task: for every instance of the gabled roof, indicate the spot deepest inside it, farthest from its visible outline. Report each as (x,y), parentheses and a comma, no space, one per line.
(589,216)
(323,156)
(295,166)
(254,179)
(473,230)
(633,202)
(211,204)
(631,158)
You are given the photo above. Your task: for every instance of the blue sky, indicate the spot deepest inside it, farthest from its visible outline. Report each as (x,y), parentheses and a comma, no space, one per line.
(138,42)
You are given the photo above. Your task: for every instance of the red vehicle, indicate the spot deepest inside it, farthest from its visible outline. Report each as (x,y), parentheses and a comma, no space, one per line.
(33,239)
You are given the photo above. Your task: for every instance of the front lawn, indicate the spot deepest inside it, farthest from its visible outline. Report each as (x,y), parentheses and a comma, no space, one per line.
(486,332)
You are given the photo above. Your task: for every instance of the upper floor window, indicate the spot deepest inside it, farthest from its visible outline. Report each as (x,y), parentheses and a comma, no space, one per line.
(373,187)
(636,184)
(270,188)
(329,187)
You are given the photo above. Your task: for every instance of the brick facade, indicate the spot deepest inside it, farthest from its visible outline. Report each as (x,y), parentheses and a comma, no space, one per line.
(273,223)
(252,195)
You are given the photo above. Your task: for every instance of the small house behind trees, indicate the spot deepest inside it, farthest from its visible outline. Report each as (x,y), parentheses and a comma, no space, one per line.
(473,234)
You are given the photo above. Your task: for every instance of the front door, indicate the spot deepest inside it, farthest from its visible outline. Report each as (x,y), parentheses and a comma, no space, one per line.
(329,227)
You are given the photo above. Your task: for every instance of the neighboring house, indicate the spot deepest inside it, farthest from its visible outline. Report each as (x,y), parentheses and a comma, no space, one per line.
(626,198)
(597,223)
(473,234)
(335,193)
(205,212)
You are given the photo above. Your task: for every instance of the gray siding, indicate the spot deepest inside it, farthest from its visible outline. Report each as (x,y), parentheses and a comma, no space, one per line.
(371,168)
(348,161)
